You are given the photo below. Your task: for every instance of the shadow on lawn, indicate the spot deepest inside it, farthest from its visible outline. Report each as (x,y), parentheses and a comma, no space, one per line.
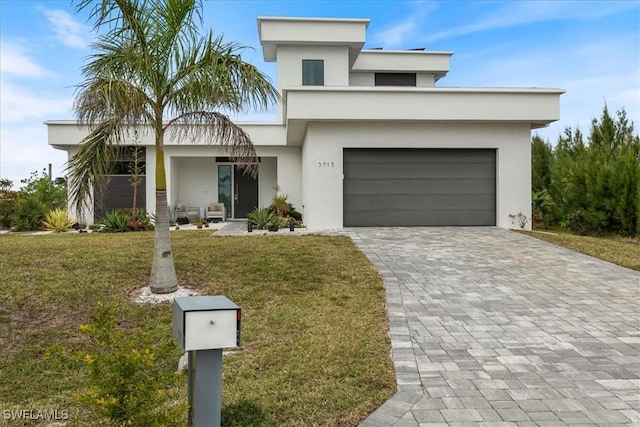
(245,413)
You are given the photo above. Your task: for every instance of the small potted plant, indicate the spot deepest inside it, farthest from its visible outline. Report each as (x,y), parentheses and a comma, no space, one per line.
(199,222)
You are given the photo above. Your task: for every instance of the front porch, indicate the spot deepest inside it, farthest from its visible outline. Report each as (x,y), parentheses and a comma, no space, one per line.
(199,181)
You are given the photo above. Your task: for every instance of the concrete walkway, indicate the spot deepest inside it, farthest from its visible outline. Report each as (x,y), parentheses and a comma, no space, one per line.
(490,327)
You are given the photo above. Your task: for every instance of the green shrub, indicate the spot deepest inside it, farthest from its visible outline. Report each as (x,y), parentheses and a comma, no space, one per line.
(261,218)
(58,220)
(28,214)
(7,199)
(139,220)
(125,383)
(53,194)
(281,207)
(115,222)
(576,223)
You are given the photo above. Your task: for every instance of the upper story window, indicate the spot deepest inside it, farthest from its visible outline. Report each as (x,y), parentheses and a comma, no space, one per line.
(313,72)
(395,79)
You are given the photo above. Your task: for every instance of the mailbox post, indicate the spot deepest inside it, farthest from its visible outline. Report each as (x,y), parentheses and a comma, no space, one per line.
(203,326)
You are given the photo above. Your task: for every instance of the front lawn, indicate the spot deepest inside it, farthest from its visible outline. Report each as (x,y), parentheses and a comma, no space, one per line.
(618,250)
(315,344)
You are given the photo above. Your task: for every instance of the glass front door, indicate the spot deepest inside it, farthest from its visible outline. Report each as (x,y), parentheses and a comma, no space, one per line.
(224,188)
(238,192)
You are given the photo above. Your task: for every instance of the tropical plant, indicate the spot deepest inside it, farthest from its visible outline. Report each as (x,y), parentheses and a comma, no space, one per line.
(261,218)
(58,220)
(136,170)
(28,214)
(116,222)
(519,219)
(139,219)
(152,71)
(280,205)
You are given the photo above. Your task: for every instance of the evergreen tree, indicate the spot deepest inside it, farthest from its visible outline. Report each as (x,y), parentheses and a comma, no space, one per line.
(541,158)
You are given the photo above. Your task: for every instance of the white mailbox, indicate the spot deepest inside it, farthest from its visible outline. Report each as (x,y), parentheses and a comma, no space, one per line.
(206,322)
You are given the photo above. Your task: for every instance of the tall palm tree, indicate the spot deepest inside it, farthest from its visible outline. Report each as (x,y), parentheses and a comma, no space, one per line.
(152,71)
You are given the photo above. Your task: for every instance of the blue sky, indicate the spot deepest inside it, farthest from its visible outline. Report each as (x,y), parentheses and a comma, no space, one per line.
(589,48)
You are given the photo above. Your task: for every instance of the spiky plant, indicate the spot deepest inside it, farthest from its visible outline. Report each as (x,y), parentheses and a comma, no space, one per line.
(58,220)
(152,71)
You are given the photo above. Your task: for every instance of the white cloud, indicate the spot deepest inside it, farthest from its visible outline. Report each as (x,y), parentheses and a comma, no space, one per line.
(516,13)
(66,29)
(24,149)
(401,32)
(18,103)
(14,60)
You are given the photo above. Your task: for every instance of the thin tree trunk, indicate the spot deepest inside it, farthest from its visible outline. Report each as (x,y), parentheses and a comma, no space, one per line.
(163,278)
(134,183)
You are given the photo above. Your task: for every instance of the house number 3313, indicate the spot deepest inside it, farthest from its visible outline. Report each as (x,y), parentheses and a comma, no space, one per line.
(325,164)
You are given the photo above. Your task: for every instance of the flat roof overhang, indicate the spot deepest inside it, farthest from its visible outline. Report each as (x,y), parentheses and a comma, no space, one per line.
(62,134)
(276,31)
(535,106)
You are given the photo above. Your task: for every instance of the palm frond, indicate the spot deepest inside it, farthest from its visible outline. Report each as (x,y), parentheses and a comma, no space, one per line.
(92,161)
(216,128)
(100,99)
(211,75)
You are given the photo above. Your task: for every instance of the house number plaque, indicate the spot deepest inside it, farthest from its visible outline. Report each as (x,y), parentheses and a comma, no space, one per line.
(325,164)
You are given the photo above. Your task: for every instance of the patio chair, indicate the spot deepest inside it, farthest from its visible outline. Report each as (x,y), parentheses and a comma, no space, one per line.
(216,211)
(186,213)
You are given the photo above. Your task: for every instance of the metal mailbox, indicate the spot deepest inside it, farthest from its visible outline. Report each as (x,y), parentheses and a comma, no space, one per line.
(206,322)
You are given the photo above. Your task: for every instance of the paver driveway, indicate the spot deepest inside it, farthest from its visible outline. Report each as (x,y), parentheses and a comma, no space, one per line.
(490,327)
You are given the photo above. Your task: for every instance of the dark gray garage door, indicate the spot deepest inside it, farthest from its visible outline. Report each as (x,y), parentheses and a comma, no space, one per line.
(419,187)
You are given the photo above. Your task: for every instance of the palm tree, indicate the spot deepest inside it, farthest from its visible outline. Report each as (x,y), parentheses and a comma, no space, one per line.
(152,71)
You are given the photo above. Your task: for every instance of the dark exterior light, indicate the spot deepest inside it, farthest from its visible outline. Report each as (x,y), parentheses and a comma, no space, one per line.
(249,227)
(292,225)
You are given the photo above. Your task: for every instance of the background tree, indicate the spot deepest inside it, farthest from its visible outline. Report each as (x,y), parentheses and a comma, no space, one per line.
(152,71)
(594,187)
(541,158)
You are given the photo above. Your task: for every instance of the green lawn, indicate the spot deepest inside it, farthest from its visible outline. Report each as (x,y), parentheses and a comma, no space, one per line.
(618,250)
(315,344)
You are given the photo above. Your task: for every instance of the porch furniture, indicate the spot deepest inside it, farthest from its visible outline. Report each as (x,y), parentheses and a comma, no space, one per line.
(187,212)
(216,211)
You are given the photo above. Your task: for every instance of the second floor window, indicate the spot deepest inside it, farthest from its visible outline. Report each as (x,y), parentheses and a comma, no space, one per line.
(313,72)
(395,79)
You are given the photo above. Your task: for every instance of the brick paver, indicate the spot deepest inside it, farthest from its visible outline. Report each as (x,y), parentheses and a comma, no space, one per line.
(491,327)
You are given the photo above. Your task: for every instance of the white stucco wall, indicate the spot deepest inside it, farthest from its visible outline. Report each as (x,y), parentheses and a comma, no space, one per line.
(322,160)
(336,65)
(284,173)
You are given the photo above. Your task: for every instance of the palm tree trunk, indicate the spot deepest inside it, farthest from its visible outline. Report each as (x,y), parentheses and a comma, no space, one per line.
(163,278)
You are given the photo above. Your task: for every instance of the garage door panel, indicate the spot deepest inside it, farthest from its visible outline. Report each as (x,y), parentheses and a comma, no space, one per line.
(413,218)
(418,155)
(419,187)
(419,171)
(436,202)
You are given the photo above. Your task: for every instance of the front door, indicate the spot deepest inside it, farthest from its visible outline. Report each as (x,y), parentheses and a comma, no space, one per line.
(245,197)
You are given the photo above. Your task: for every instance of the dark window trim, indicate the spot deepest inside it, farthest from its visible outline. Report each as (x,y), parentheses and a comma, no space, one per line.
(395,79)
(315,79)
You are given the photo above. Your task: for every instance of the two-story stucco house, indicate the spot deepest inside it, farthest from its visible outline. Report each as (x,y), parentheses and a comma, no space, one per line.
(363,138)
